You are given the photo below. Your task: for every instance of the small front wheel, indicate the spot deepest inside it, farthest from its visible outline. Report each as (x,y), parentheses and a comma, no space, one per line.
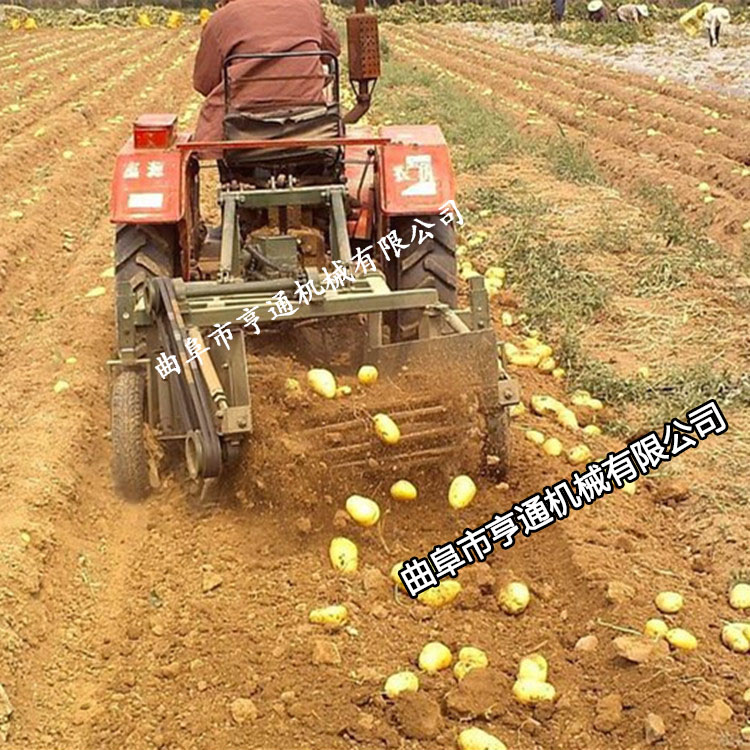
(129,457)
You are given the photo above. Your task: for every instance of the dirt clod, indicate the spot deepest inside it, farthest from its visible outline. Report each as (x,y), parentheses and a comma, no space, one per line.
(242,710)
(587,643)
(718,712)
(418,716)
(210,580)
(475,694)
(654,728)
(639,649)
(671,492)
(608,713)
(619,592)
(325,652)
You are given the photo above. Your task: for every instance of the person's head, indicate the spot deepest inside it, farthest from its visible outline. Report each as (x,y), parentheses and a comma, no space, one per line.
(642,10)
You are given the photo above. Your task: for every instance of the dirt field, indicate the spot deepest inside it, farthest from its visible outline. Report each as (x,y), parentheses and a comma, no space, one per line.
(140,625)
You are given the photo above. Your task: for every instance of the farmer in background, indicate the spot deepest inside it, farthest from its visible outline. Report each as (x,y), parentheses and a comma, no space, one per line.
(258,26)
(597,11)
(558,10)
(713,21)
(631,13)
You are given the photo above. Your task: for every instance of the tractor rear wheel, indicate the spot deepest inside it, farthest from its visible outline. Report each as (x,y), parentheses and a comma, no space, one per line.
(430,264)
(143,251)
(129,456)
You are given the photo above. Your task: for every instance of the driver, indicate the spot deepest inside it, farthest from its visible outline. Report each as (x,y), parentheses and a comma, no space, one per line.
(259,26)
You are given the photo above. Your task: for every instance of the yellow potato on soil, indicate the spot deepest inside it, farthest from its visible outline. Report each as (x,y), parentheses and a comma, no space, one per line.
(533,667)
(739,596)
(434,657)
(524,359)
(547,364)
(438,596)
(530,343)
(517,409)
(655,628)
(543,350)
(533,691)
(629,488)
(495,272)
(514,598)
(344,554)
(386,429)
(534,436)
(364,511)
(580,398)
(746,696)
(29,24)
(552,447)
(506,319)
(343,390)
(545,405)
(401,682)
(509,349)
(204,15)
(469,658)
(367,374)
(403,490)
(334,616)
(558,373)
(322,382)
(734,638)
(592,430)
(669,602)
(394,575)
(474,738)
(595,404)
(567,418)
(682,639)
(579,454)
(461,492)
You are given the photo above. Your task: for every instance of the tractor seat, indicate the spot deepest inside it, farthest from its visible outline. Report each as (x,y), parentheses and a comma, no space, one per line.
(320,121)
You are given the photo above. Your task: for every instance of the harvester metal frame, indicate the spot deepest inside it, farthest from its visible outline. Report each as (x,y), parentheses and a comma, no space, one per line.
(208,405)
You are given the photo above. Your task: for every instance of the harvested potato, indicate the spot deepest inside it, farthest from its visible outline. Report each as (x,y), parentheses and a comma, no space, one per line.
(291,385)
(474,738)
(558,373)
(547,364)
(386,429)
(434,657)
(629,488)
(367,374)
(734,638)
(461,492)
(579,454)
(655,628)
(469,657)
(682,639)
(343,391)
(535,437)
(334,616)
(403,490)
(343,553)
(364,511)
(395,577)
(567,418)
(401,682)
(533,691)
(592,430)
(545,405)
(517,409)
(507,319)
(524,359)
(514,598)
(322,382)
(739,596)
(438,596)
(533,667)
(669,602)
(552,447)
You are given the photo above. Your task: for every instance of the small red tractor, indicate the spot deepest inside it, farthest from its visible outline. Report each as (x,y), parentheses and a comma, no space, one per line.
(302,192)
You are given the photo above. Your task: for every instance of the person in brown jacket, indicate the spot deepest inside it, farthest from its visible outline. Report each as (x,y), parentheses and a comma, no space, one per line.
(257,26)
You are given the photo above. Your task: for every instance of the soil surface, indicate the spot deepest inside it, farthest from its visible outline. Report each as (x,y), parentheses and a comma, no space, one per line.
(181,623)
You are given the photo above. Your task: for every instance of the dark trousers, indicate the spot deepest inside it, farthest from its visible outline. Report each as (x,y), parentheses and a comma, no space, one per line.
(713,36)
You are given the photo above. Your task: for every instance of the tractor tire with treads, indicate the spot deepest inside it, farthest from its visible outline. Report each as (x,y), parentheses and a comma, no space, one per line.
(129,456)
(431,264)
(143,251)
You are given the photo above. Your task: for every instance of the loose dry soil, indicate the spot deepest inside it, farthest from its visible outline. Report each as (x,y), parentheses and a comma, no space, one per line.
(181,623)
